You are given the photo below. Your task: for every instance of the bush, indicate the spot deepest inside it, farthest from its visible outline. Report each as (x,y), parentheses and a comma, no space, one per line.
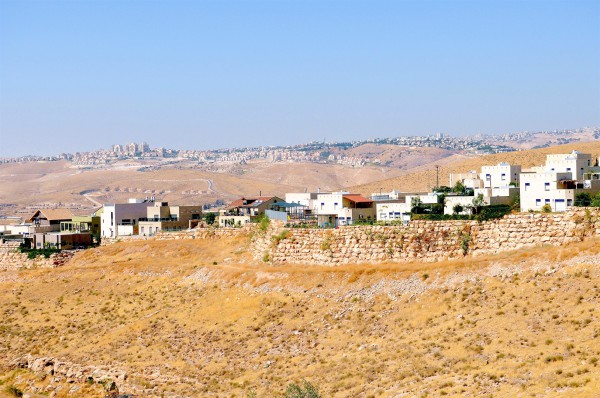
(14,391)
(307,390)
(210,218)
(33,253)
(263,222)
(485,213)
(582,200)
(546,208)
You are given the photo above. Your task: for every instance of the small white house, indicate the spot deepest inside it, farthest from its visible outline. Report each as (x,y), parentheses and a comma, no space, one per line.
(392,210)
(500,175)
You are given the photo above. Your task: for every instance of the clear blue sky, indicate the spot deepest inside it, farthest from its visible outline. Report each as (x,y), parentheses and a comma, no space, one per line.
(80,75)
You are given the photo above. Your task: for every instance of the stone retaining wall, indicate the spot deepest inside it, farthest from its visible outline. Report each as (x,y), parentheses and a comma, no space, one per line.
(420,240)
(12,260)
(424,240)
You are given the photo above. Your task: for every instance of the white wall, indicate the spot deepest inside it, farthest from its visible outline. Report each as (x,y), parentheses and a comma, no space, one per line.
(307,199)
(500,175)
(574,163)
(392,211)
(538,189)
(114,214)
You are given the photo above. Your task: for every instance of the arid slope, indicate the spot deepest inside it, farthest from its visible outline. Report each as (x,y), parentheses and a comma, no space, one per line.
(199,318)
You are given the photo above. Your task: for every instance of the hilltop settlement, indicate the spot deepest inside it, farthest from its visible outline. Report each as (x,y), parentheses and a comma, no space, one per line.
(564,181)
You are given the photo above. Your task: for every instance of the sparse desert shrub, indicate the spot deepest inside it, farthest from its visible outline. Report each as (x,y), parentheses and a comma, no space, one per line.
(264,222)
(306,390)
(285,234)
(546,208)
(14,391)
(465,242)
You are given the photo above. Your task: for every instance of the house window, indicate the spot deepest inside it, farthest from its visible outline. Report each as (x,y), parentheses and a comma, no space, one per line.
(546,200)
(488,177)
(547,186)
(538,202)
(322,206)
(335,205)
(527,186)
(568,169)
(569,202)
(503,177)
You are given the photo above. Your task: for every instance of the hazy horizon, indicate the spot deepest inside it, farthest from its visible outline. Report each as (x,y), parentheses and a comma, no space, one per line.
(80,76)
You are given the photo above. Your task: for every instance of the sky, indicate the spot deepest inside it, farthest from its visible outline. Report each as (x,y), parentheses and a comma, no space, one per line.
(82,75)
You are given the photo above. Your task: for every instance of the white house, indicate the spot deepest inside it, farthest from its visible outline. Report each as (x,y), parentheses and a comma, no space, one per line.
(469,180)
(500,175)
(392,210)
(307,199)
(557,182)
(342,208)
(121,219)
(575,163)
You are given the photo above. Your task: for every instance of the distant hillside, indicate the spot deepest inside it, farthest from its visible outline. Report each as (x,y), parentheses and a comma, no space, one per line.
(423,178)
(59,183)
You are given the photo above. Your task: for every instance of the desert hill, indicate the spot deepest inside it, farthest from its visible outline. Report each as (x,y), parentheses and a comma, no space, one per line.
(423,178)
(60,183)
(200,318)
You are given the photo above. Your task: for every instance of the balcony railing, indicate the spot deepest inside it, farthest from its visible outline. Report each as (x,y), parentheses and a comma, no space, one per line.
(159,219)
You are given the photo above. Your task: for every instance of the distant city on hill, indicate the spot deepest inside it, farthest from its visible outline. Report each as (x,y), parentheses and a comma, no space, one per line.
(323,152)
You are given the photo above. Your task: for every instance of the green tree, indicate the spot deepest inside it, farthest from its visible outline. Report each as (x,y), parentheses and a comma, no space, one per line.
(459,187)
(546,208)
(516,204)
(583,199)
(478,203)
(596,200)
(263,222)
(416,205)
(210,218)
(457,208)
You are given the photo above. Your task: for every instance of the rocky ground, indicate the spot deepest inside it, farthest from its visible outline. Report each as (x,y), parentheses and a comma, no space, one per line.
(201,318)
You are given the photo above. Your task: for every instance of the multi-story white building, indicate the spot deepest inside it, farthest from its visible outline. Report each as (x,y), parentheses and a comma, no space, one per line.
(121,219)
(575,163)
(557,182)
(501,175)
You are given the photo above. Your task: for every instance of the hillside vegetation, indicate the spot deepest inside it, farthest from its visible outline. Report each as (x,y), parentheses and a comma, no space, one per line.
(200,318)
(423,178)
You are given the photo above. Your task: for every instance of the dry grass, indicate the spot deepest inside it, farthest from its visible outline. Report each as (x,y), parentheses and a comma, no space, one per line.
(515,324)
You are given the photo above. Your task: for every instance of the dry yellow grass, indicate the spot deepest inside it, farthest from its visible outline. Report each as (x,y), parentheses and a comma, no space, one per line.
(214,323)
